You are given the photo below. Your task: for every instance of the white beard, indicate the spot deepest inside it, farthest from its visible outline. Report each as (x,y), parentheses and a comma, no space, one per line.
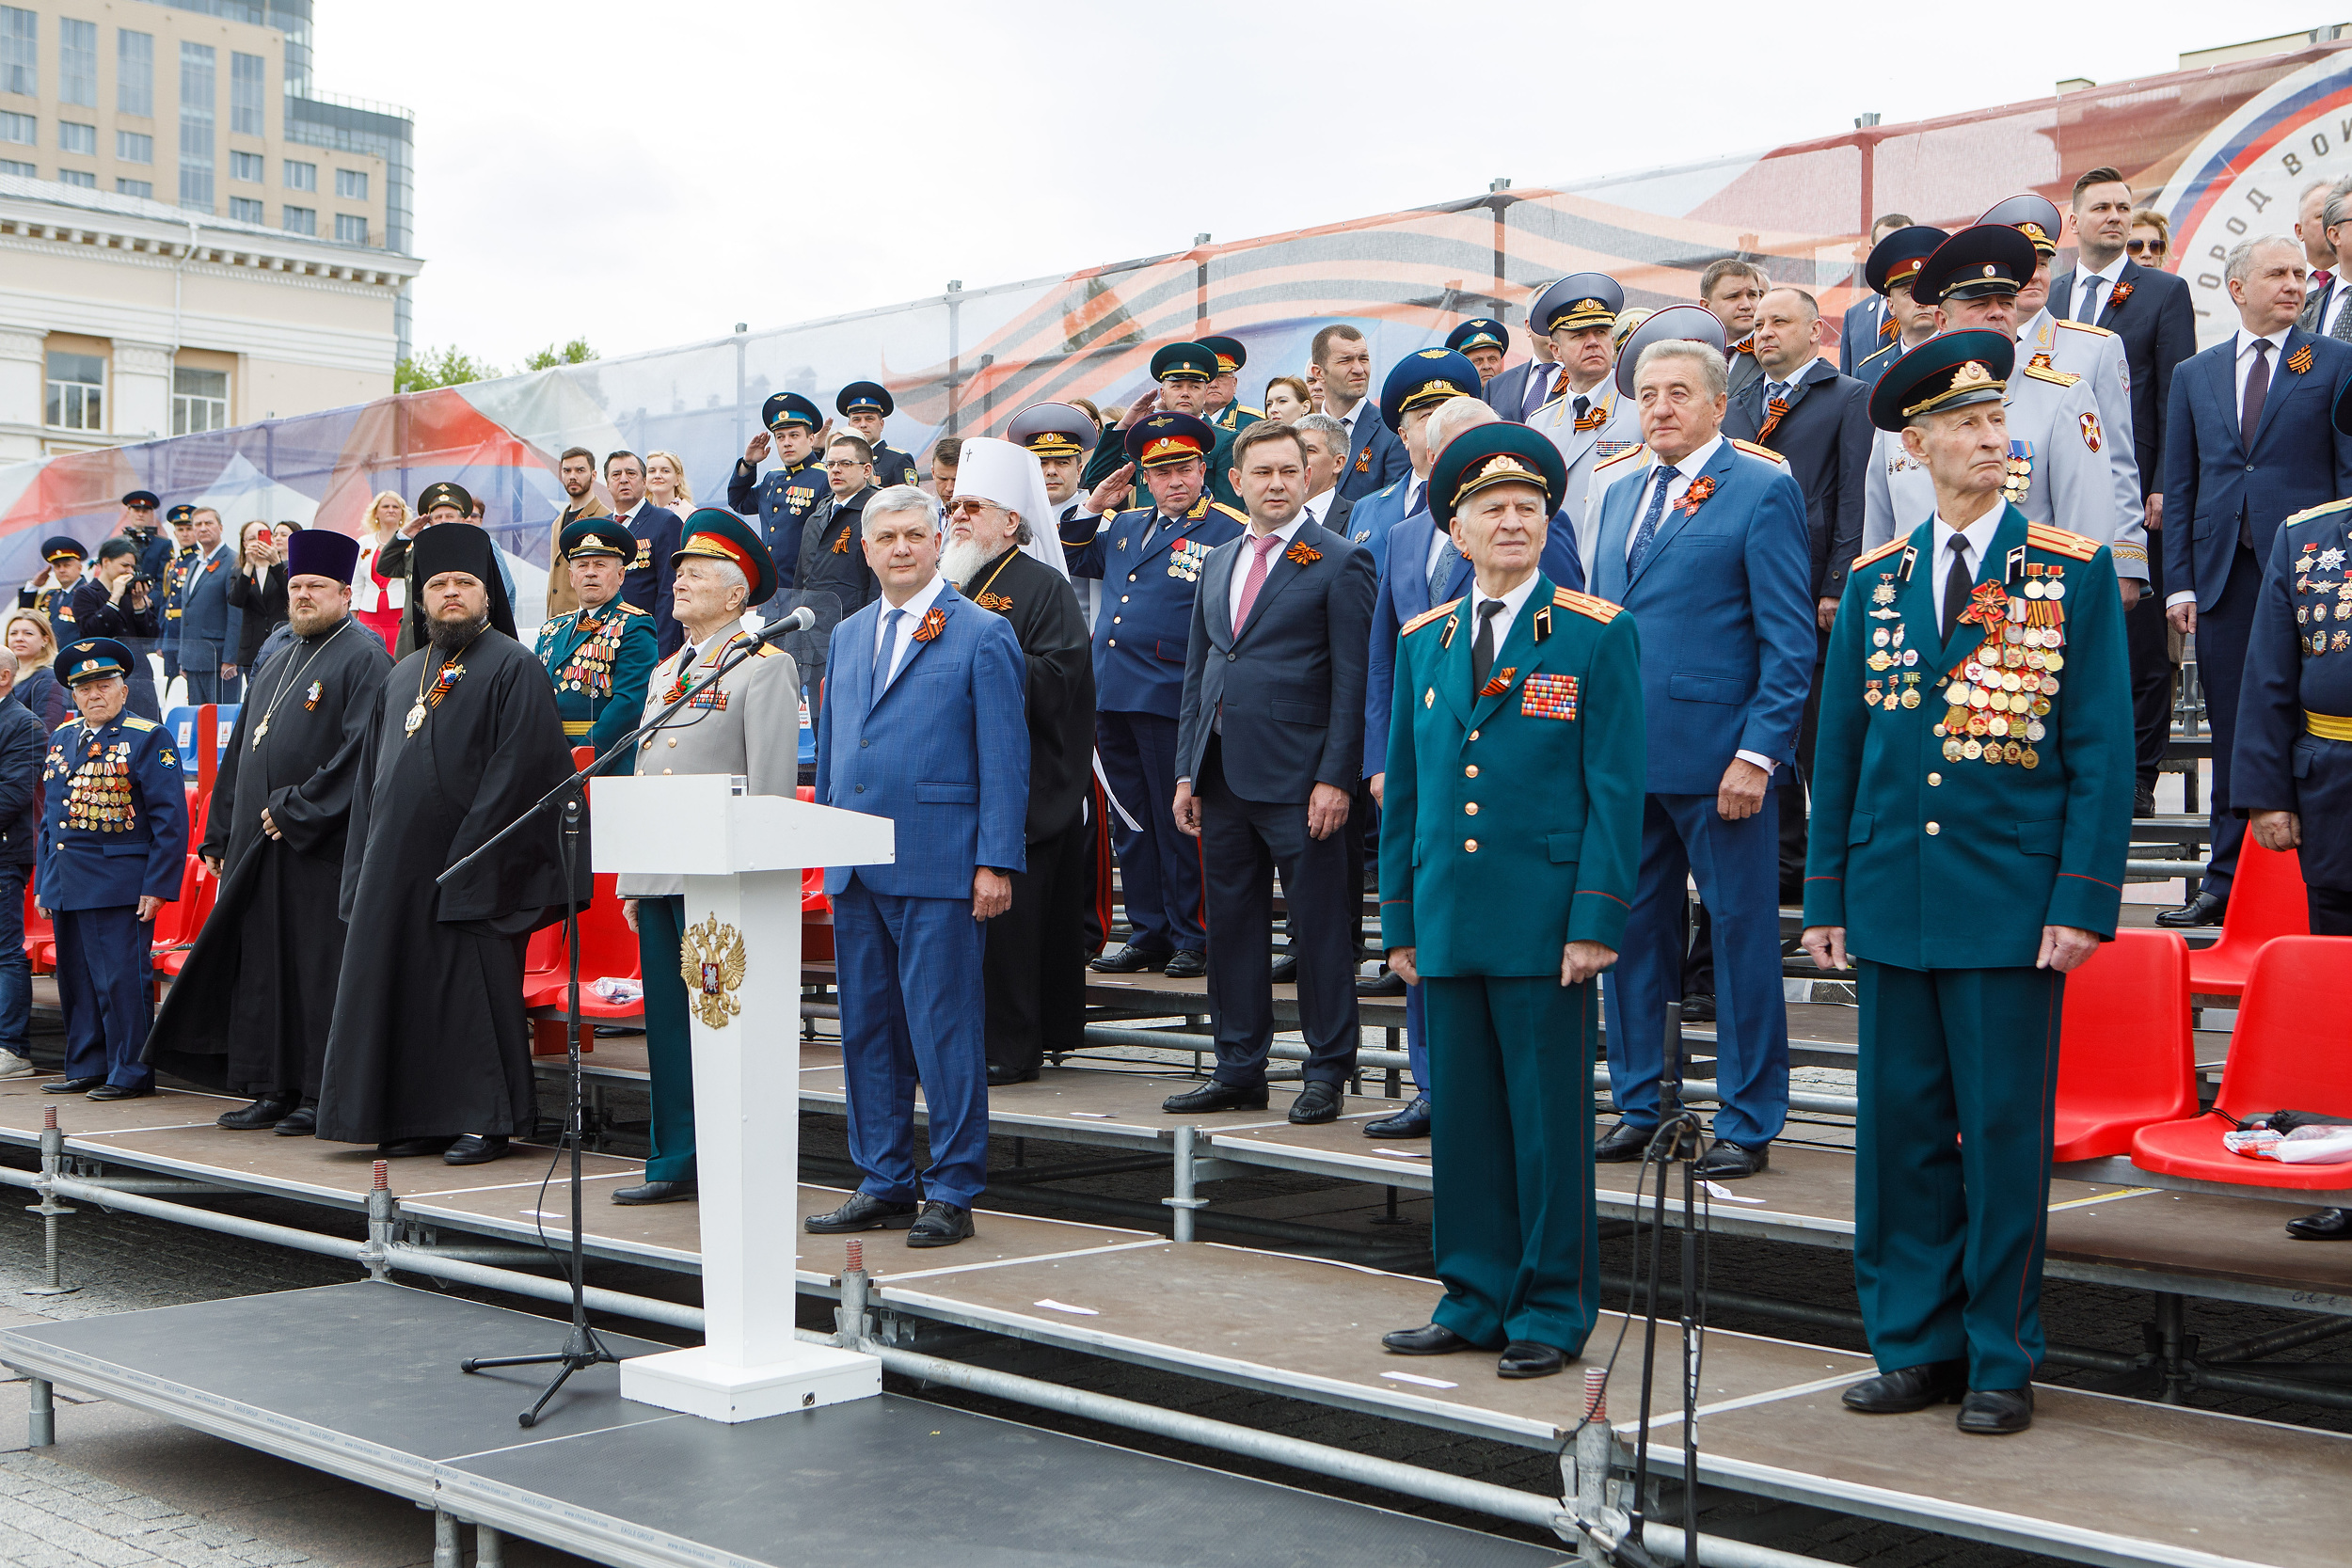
(964,558)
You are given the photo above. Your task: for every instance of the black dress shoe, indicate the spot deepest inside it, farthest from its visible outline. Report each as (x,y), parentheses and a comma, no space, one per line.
(1213,1095)
(1318,1103)
(862,1212)
(1623,1144)
(943,1225)
(268,1111)
(1698,1009)
(1129,959)
(654,1192)
(1730,1162)
(2203,910)
(1428,1340)
(300,1122)
(1188,964)
(1526,1358)
(2143,800)
(73,1085)
(1389,984)
(1908,1389)
(2329,1224)
(475,1148)
(1412,1122)
(1285,972)
(407,1148)
(116,1091)
(999,1076)
(1997,1412)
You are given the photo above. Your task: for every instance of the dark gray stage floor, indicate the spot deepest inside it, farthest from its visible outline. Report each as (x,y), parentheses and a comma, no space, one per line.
(361,1380)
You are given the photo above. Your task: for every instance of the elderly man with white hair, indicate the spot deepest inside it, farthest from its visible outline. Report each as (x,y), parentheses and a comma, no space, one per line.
(1034,968)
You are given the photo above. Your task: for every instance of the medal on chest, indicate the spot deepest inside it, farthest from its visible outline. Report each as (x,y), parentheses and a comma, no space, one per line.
(2321,593)
(1999,696)
(98,799)
(429,697)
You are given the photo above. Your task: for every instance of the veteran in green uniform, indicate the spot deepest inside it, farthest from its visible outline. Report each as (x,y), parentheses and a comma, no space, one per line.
(1509,843)
(601,656)
(1972,799)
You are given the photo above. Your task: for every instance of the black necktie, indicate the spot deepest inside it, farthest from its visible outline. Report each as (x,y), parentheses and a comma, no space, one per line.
(2250,421)
(1958,582)
(1583,406)
(1483,650)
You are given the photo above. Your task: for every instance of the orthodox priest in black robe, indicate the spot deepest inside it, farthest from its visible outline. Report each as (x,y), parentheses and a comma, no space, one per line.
(430,1051)
(1034,966)
(250,1013)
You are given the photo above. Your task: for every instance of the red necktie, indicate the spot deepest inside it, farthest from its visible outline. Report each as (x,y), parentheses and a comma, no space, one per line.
(1255,580)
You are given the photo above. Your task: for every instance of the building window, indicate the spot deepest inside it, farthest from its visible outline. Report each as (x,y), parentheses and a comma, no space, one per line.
(77,138)
(301,220)
(245,210)
(77,392)
(23,129)
(301,176)
(197,78)
(247,80)
(132,147)
(200,401)
(350,228)
(81,177)
(143,189)
(20,51)
(351,184)
(245,167)
(135,74)
(77,62)
(9,166)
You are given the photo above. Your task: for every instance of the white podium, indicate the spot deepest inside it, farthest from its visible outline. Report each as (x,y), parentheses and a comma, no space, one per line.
(741,856)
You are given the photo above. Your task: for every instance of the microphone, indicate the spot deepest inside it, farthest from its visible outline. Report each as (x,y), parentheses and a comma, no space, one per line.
(803,619)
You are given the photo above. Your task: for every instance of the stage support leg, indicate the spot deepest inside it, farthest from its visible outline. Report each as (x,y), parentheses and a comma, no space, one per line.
(446,1551)
(40,1420)
(489,1547)
(1185,1199)
(1594,1456)
(52,1168)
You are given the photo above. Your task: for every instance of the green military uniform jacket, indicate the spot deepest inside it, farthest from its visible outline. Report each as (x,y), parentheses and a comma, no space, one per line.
(1513,818)
(601,665)
(1235,417)
(1947,831)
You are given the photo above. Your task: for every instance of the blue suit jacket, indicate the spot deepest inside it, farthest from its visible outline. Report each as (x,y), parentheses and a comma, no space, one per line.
(658,533)
(1728,637)
(1403,552)
(1825,435)
(1858,334)
(1506,394)
(2159,326)
(207,616)
(2217,478)
(943,750)
(1378,458)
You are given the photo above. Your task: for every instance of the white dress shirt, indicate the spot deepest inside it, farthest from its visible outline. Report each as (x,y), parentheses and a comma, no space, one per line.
(1979,537)
(1789,381)
(1512,602)
(2332,309)
(1317,505)
(1685,471)
(916,609)
(2077,303)
(1287,532)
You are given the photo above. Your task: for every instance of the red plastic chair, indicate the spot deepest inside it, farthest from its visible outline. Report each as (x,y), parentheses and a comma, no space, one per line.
(2267,901)
(607,947)
(2292,1051)
(177,923)
(2126,1057)
(40,936)
(544,966)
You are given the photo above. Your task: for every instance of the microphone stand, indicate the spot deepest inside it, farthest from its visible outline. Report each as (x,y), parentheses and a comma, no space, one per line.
(581,1348)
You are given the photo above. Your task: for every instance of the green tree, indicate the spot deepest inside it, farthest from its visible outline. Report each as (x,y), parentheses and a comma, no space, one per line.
(448,367)
(577,351)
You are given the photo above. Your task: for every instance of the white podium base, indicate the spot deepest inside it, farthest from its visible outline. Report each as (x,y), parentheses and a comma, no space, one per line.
(691,1382)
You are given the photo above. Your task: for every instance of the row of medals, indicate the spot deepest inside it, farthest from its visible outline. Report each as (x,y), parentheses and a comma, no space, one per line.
(2316,615)
(99,800)
(1997,699)
(590,666)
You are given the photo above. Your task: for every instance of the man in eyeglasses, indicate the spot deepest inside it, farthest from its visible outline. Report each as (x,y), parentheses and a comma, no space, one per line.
(2149,310)
(2328,245)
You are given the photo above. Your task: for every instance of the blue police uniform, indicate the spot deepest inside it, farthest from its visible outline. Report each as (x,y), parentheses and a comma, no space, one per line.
(2294,711)
(891,466)
(782,500)
(175,603)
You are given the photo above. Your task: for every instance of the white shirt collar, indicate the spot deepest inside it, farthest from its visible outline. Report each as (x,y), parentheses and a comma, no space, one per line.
(623,516)
(924,598)
(1792,377)
(2245,341)
(1287,532)
(1694,465)
(2111,271)
(1978,534)
(1512,602)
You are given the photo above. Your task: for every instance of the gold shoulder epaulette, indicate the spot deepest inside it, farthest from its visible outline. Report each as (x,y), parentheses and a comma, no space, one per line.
(135,722)
(1426,616)
(1238,516)
(1586,604)
(2085,326)
(1767,454)
(1253,413)
(2320,511)
(2059,540)
(2061,379)
(628,609)
(760,650)
(1637,449)
(1868,556)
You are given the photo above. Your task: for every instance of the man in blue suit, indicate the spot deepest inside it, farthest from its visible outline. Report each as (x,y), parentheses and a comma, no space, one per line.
(1863,331)
(208,621)
(1707,545)
(1374,456)
(2248,443)
(925,726)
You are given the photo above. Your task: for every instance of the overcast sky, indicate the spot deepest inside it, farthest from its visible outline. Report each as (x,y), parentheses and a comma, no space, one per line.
(652,174)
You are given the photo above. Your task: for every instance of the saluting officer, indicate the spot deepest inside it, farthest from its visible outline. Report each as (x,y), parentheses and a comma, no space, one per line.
(1220,404)
(114,838)
(1486,343)
(52,592)
(783,500)
(1149,561)
(1895,262)
(182,520)
(866,404)
(601,656)
(1523,698)
(1972,798)
(1184,371)
(1589,419)
(1059,437)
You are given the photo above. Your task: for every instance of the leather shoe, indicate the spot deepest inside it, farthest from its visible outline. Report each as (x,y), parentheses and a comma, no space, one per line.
(116,1091)
(73,1085)
(1699,1010)
(1997,1412)
(1526,1358)
(1412,1122)
(2329,1224)
(2143,800)
(2203,910)
(1728,1161)
(862,1212)
(1285,970)
(301,1122)
(1187,964)
(1623,1144)
(475,1148)
(999,1076)
(1428,1340)
(410,1148)
(654,1192)
(1129,959)
(1213,1095)
(1318,1103)
(1389,983)
(268,1111)
(943,1224)
(1908,1389)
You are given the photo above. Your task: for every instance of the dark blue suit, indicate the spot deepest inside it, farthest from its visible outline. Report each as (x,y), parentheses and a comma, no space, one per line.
(2298,660)
(2224,497)
(658,533)
(1728,651)
(210,625)
(942,748)
(782,502)
(114,830)
(1508,393)
(1858,334)
(24,743)
(1376,456)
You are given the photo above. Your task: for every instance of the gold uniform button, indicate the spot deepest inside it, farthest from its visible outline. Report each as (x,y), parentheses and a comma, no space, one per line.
(1470,845)
(1122,598)
(1935,779)
(1114,642)
(674,741)
(1935,828)
(1474,734)
(1115,620)
(1471,771)
(1470,810)
(665,773)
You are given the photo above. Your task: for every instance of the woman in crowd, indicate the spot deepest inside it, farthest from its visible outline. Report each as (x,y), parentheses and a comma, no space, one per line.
(2150,240)
(377,600)
(665,483)
(34,649)
(1286,398)
(257,590)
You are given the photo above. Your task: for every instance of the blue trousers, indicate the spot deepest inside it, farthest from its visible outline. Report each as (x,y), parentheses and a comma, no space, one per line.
(911,1012)
(1159,868)
(1738,868)
(669,1038)
(16,970)
(103,972)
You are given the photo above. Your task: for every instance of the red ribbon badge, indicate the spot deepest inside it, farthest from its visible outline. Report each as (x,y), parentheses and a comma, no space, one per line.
(934,621)
(1302,555)
(1697,496)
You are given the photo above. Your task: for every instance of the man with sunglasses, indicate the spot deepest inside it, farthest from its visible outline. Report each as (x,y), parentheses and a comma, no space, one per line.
(2149,310)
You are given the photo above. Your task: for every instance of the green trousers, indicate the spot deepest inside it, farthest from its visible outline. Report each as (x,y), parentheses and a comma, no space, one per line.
(669,1040)
(1511,1149)
(1959,1083)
